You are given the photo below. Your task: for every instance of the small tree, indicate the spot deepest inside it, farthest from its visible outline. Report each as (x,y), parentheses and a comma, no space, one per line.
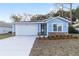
(72,30)
(16,18)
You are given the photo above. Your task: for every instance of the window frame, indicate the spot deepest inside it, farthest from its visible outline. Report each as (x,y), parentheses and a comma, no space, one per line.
(57,28)
(54,28)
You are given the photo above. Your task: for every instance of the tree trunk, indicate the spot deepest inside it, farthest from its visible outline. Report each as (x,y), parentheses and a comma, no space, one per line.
(71,12)
(62,9)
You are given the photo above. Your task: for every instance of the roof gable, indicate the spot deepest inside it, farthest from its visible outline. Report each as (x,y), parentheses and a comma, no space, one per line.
(50,19)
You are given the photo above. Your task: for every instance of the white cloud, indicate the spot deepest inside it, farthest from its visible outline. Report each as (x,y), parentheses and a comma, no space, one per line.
(53,9)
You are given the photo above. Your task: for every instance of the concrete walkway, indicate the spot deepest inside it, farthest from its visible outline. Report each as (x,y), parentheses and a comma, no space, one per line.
(16,46)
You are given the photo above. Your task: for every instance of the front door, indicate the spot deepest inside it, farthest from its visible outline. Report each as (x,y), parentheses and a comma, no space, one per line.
(43,29)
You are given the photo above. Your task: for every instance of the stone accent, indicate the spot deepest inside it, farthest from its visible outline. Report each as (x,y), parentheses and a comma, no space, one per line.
(57,33)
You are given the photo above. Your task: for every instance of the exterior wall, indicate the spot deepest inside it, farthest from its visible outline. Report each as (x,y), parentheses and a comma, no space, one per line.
(4,30)
(39,27)
(45,29)
(13,27)
(49,28)
(58,21)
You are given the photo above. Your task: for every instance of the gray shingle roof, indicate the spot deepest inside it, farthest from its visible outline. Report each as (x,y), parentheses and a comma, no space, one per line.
(42,21)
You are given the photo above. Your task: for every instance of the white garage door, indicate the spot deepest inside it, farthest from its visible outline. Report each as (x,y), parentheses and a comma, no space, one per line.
(28,29)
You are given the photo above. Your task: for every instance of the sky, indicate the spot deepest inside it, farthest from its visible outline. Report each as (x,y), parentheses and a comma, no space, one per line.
(7,9)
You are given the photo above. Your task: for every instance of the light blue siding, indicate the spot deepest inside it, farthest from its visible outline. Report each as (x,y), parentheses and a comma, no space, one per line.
(13,27)
(57,21)
(39,27)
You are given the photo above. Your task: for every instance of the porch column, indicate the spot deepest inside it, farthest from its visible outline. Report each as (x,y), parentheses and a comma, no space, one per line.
(47,29)
(39,29)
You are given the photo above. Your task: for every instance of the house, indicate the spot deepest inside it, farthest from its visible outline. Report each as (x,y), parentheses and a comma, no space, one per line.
(5,27)
(44,27)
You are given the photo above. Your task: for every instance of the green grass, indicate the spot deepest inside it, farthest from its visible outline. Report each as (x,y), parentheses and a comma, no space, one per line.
(2,36)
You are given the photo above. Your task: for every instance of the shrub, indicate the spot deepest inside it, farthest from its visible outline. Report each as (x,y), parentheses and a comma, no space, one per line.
(76,37)
(50,37)
(10,32)
(72,30)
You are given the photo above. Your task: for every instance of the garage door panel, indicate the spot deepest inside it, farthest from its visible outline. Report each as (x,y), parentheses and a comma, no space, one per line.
(27,29)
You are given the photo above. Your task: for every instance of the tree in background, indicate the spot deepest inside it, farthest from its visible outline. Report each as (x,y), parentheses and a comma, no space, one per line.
(26,17)
(77,12)
(70,14)
(16,18)
(38,17)
(60,7)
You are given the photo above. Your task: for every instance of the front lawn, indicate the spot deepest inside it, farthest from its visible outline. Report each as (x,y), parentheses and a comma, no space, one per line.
(58,47)
(2,36)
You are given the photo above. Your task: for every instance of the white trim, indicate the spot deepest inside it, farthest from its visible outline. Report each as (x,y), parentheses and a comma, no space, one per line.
(57,17)
(61,29)
(68,28)
(47,29)
(28,22)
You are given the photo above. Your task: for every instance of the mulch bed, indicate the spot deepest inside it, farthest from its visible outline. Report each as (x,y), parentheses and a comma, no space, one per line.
(59,47)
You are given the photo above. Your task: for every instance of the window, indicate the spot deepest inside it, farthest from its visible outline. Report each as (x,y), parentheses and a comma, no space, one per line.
(54,27)
(59,28)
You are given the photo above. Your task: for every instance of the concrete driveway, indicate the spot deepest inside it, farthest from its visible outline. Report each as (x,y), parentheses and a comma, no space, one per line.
(16,46)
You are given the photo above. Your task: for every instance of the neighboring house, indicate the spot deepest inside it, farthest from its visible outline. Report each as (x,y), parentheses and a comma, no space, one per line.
(5,27)
(76,21)
(44,27)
